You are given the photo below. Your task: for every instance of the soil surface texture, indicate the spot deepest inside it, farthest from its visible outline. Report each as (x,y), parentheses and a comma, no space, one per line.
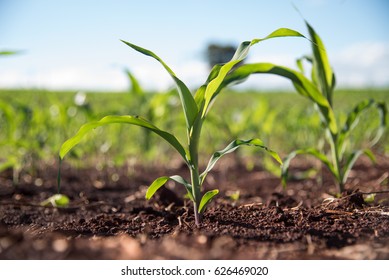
(109,218)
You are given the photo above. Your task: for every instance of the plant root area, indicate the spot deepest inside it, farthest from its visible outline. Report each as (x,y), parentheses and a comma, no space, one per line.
(109,218)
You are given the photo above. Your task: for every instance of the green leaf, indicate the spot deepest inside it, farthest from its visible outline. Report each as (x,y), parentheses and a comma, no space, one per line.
(304,86)
(326,77)
(200,93)
(370,198)
(4,53)
(187,100)
(219,73)
(57,200)
(206,199)
(134,120)
(199,96)
(234,196)
(135,86)
(159,182)
(156,185)
(9,163)
(383,111)
(353,116)
(310,151)
(183,182)
(281,32)
(352,159)
(300,61)
(9,113)
(212,87)
(232,147)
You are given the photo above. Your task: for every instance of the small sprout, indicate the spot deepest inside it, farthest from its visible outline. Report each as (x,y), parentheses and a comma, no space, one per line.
(370,198)
(57,200)
(234,195)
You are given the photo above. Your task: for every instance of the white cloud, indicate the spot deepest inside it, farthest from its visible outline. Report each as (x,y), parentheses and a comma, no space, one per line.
(74,78)
(362,64)
(194,73)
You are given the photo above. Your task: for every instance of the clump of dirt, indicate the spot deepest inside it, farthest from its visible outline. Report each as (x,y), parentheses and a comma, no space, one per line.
(108,217)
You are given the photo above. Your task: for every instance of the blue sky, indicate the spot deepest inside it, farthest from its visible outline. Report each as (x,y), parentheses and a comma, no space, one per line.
(76,44)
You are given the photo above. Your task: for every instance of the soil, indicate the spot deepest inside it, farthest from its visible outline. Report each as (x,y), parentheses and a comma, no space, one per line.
(108,217)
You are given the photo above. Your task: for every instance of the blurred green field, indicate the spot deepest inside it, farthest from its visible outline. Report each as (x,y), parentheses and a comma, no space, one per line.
(34,124)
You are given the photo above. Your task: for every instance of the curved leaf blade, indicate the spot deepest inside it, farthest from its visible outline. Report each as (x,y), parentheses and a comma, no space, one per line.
(304,86)
(206,199)
(310,151)
(352,159)
(187,100)
(383,111)
(57,200)
(352,119)
(159,182)
(135,86)
(155,186)
(281,32)
(183,182)
(134,120)
(232,147)
(324,71)
(220,72)
(9,52)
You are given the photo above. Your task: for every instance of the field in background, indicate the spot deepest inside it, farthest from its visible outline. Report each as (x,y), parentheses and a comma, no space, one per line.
(34,124)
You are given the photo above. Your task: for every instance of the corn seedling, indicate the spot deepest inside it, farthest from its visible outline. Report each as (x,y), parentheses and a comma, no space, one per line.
(195,109)
(57,200)
(8,128)
(319,89)
(15,120)
(323,79)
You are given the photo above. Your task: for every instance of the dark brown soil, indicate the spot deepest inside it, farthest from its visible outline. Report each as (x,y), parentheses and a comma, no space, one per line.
(108,217)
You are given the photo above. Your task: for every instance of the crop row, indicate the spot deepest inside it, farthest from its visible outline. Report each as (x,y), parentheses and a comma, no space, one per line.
(328,131)
(34,123)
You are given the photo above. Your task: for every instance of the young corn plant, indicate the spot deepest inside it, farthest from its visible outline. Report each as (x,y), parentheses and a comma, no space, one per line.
(320,89)
(339,161)
(195,109)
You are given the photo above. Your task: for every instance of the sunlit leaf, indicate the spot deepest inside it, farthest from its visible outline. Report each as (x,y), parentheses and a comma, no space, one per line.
(57,200)
(304,86)
(352,119)
(232,147)
(321,63)
(352,158)
(156,185)
(206,199)
(134,120)
(370,198)
(135,86)
(187,100)
(5,53)
(310,151)
(159,182)
(220,72)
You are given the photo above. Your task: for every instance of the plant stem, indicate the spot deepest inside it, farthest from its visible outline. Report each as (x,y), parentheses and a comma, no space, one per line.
(193,141)
(194,174)
(337,163)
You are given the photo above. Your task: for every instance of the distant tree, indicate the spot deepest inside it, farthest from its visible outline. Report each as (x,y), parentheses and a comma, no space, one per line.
(219,53)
